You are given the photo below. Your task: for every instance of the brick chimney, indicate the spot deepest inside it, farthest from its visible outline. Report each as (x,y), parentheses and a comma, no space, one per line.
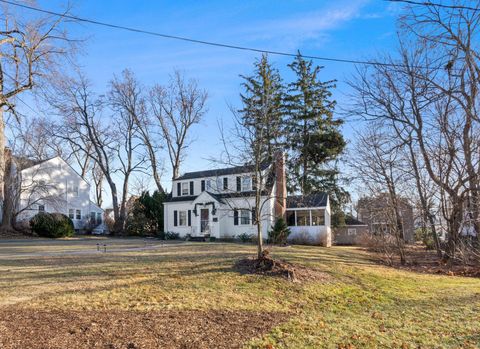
(280,185)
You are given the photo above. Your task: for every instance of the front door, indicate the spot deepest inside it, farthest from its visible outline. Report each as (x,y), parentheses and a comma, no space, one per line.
(204,220)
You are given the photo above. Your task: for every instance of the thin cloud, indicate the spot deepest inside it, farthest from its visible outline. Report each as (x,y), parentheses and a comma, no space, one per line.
(291,32)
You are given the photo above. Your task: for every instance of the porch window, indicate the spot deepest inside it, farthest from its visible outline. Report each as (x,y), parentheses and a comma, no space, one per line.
(246,183)
(182,218)
(244,217)
(318,217)
(303,218)
(185,189)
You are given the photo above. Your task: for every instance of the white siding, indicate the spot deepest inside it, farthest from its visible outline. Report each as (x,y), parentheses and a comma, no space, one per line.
(62,184)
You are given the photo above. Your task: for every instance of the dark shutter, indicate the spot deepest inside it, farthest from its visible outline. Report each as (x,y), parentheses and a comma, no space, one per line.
(235,217)
(191,187)
(239,183)
(254,220)
(225,183)
(175,218)
(179,189)
(203,185)
(189,218)
(254,182)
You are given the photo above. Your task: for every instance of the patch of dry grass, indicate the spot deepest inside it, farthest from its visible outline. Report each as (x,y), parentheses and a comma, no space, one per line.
(360,305)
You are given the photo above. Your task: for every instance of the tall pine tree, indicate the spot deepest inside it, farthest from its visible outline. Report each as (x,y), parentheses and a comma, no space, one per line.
(260,130)
(263,105)
(313,136)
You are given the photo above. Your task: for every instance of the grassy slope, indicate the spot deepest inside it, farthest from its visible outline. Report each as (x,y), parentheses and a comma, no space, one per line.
(362,305)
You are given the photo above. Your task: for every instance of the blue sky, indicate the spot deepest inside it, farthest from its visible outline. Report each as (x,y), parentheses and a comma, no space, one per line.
(350,29)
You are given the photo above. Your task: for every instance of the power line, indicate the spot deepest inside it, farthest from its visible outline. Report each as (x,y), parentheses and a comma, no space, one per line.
(435,4)
(196,41)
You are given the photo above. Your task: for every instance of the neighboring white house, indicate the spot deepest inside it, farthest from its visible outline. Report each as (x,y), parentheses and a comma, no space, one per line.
(219,203)
(54,186)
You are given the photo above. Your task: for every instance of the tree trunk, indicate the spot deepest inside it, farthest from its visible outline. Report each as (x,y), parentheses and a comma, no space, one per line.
(2,159)
(9,194)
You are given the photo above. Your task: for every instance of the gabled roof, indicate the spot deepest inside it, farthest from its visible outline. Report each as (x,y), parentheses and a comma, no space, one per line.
(350,220)
(310,200)
(24,162)
(217,196)
(220,172)
(27,163)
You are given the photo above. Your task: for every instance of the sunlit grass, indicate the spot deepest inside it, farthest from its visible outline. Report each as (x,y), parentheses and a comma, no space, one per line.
(361,304)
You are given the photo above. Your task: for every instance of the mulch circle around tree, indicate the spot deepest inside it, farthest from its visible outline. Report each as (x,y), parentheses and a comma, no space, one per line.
(277,268)
(186,329)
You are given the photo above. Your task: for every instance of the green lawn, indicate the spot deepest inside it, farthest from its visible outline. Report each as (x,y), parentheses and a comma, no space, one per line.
(360,304)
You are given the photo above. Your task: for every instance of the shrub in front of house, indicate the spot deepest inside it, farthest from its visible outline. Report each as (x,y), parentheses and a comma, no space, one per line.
(52,225)
(301,238)
(279,233)
(245,237)
(169,235)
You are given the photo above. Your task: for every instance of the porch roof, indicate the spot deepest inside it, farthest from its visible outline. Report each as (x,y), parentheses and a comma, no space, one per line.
(307,201)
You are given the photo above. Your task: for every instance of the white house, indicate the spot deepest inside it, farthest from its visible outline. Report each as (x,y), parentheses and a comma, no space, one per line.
(219,203)
(54,186)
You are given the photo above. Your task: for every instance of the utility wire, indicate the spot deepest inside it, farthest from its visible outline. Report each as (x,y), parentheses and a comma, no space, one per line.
(435,4)
(196,41)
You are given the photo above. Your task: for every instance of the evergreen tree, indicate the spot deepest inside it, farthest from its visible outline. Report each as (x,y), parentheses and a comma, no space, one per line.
(260,128)
(263,106)
(313,136)
(146,215)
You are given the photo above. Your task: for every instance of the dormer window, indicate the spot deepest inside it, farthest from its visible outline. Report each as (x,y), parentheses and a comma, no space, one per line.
(185,189)
(246,183)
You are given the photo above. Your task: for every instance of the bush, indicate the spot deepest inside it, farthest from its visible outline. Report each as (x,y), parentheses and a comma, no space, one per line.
(145,216)
(52,225)
(301,238)
(212,239)
(279,233)
(245,237)
(381,243)
(169,235)
(425,236)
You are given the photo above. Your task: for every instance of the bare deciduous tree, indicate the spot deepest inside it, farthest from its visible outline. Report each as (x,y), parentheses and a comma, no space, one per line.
(126,96)
(31,50)
(177,107)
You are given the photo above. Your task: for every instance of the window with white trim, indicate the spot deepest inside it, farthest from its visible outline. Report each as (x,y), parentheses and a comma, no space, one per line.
(209,185)
(185,189)
(182,218)
(352,231)
(73,190)
(246,183)
(41,208)
(78,214)
(244,217)
(71,213)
